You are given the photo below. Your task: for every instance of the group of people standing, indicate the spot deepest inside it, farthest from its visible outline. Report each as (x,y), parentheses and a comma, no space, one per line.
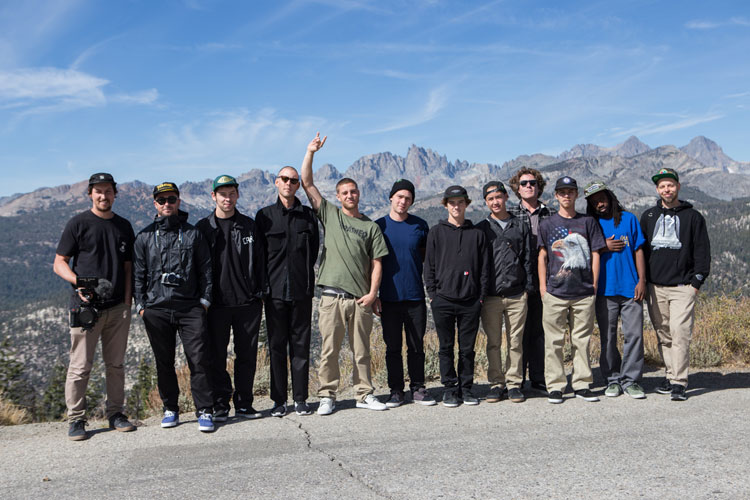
(535,271)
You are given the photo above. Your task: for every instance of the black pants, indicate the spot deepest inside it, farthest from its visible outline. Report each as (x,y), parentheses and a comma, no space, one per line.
(533,340)
(288,325)
(411,316)
(451,315)
(244,322)
(162,325)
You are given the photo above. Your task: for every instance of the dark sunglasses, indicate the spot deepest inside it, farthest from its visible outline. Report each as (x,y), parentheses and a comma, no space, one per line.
(530,183)
(286,179)
(169,199)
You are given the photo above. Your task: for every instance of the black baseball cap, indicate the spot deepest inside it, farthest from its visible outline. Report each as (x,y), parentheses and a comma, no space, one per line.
(493,186)
(102,177)
(566,182)
(166,187)
(455,192)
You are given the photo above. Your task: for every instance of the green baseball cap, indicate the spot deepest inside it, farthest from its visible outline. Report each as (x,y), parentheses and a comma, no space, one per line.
(225,180)
(665,173)
(594,187)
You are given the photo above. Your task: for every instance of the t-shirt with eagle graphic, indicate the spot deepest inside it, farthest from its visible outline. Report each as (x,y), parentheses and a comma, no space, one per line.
(569,243)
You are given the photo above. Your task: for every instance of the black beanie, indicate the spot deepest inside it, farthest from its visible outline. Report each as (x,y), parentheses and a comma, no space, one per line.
(402,184)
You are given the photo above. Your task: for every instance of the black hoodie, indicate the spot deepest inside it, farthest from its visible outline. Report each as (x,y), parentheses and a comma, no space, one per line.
(171,245)
(456,262)
(677,248)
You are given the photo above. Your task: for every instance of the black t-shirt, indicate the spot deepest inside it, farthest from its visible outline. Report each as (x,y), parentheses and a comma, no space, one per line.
(230,287)
(99,248)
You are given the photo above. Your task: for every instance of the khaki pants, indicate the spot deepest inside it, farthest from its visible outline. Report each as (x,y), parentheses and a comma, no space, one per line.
(560,314)
(512,312)
(336,316)
(112,327)
(672,311)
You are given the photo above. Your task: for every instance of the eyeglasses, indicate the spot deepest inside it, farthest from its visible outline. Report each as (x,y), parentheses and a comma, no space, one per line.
(531,182)
(169,199)
(285,179)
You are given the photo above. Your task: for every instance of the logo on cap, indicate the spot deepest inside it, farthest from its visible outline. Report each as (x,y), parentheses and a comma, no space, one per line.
(224,178)
(566,180)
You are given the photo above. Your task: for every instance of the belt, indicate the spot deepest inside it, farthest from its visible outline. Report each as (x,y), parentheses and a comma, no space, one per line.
(339,295)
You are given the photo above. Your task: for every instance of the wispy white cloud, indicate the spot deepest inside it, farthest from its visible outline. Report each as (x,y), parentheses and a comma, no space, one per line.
(149,96)
(660,128)
(237,136)
(395,74)
(737,95)
(51,83)
(435,102)
(699,24)
(46,90)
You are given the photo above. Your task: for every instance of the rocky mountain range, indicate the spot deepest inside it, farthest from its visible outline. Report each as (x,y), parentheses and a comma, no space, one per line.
(627,168)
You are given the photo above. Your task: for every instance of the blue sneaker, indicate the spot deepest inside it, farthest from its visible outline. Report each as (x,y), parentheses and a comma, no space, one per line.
(171,419)
(206,422)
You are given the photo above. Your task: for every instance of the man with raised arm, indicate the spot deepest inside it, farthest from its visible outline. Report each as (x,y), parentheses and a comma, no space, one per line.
(349,276)
(291,237)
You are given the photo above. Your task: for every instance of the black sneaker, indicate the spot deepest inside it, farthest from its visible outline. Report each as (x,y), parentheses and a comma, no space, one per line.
(77,430)
(587,395)
(121,423)
(555,397)
(665,387)
(495,395)
(450,399)
(301,408)
(279,410)
(516,396)
(539,387)
(469,399)
(678,392)
(221,414)
(249,413)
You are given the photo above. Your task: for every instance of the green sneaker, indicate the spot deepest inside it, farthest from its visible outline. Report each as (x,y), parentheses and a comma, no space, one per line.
(613,390)
(635,391)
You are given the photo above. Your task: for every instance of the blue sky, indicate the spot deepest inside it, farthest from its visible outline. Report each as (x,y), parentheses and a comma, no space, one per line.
(180,90)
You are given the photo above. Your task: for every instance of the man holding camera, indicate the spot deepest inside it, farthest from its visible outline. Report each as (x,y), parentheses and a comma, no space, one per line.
(172,276)
(100,243)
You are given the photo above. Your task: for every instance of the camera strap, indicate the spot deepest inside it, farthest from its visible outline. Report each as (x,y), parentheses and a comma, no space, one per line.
(159,248)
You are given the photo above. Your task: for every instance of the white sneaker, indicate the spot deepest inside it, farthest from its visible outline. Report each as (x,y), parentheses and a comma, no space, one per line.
(326,406)
(371,403)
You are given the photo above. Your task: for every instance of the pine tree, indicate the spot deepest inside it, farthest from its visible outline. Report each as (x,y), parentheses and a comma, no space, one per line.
(52,406)
(138,395)
(11,371)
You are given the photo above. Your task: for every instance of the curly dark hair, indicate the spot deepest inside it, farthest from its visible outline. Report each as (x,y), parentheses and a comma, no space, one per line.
(614,205)
(514,181)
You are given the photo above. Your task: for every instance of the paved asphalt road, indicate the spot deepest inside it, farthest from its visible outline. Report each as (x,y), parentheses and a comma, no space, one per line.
(617,448)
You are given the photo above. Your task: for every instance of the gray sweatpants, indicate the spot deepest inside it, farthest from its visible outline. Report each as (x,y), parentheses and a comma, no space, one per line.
(629,368)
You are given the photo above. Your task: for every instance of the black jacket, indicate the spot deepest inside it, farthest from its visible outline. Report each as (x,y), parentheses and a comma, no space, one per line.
(245,237)
(456,262)
(510,257)
(171,245)
(292,241)
(677,248)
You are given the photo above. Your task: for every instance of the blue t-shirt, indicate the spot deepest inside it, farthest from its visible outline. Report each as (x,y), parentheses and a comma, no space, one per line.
(617,273)
(402,267)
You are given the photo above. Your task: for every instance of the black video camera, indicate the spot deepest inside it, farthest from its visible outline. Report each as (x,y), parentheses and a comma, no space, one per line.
(96,291)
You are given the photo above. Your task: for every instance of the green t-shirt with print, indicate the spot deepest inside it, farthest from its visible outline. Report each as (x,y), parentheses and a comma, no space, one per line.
(349,246)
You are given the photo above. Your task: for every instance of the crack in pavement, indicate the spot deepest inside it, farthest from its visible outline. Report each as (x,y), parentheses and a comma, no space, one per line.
(332,458)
